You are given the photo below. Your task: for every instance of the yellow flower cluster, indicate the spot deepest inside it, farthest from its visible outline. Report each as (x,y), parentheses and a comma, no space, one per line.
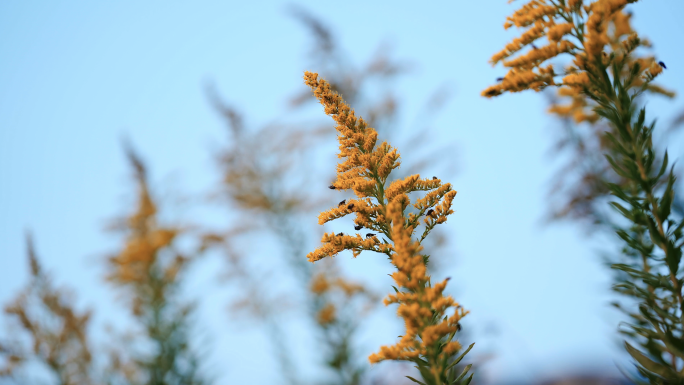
(556,32)
(622,40)
(575,79)
(528,37)
(429,330)
(654,70)
(145,240)
(577,109)
(365,171)
(56,331)
(335,243)
(325,282)
(322,283)
(600,13)
(139,254)
(536,56)
(558,23)
(327,314)
(530,13)
(419,304)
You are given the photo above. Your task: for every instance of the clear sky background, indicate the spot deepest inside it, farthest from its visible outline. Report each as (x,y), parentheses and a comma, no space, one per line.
(77,76)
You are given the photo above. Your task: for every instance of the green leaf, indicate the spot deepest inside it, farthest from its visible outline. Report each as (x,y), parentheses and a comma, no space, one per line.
(425,371)
(674,345)
(456,361)
(663,167)
(625,213)
(616,79)
(617,168)
(647,363)
(618,191)
(465,371)
(656,237)
(673,256)
(414,380)
(642,117)
(666,200)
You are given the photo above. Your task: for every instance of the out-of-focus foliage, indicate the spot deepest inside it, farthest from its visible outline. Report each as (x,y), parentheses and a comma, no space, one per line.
(148,270)
(339,304)
(261,181)
(55,333)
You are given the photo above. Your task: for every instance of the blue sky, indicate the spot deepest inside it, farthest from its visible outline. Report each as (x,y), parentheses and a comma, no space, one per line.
(78,76)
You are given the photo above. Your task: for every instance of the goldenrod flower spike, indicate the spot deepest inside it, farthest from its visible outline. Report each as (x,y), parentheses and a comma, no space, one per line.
(419,304)
(604,80)
(569,28)
(365,170)
(428,340)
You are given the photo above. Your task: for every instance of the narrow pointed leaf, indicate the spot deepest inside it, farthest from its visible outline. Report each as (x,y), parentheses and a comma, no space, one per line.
(646,362)
(414,380)
(456,361)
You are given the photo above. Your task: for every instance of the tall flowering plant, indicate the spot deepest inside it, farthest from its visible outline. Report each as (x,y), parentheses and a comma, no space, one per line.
(604,80)
(581,189)
(149,270)
(431,318)
(57,332)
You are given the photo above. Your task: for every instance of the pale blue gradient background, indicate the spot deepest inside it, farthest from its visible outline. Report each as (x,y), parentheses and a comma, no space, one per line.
(76,76)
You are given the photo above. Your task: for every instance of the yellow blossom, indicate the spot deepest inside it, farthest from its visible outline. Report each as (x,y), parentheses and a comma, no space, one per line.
(557,32)
(365,170)
(420,302)
(581,31)
(531,12)
(655,69)
(320,284)
(580,79)
(327,314)
(578,108)
(618,39)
